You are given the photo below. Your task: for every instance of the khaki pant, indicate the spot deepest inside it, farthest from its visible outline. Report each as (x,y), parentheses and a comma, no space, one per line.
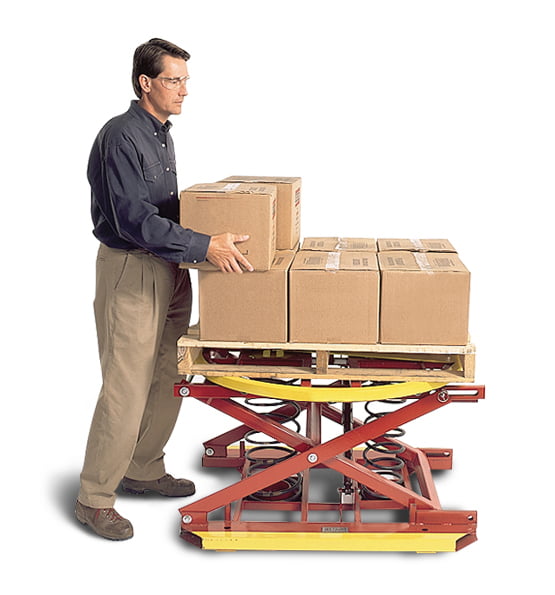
(142,306)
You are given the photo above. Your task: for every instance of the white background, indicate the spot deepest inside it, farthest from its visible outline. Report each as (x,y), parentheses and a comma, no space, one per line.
(405,119)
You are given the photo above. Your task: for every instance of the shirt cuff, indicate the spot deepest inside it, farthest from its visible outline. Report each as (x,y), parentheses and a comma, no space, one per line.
(198,248)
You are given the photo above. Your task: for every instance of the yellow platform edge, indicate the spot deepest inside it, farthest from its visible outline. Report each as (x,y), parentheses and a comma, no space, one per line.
(325,394)
(312,541)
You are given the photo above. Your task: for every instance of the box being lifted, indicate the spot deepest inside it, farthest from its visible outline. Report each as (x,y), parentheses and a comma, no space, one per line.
(238,208)
(339,244)
(334,297)
(387,244)
(249,307)
(424,298)
(288,207)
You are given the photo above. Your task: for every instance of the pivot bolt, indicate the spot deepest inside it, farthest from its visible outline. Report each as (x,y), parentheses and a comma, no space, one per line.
(187,519)
(184,391)
(312,457)
(209,452)
(443,396)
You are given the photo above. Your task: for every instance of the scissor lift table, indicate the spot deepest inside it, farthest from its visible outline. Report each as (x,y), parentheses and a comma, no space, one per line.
(285,397)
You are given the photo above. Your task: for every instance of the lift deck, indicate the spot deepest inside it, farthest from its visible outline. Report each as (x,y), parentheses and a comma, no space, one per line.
(285,398)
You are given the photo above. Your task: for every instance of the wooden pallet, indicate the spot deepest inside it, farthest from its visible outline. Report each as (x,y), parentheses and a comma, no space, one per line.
(458,361)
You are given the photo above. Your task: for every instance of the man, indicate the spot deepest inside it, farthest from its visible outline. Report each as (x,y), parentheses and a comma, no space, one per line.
(143,298)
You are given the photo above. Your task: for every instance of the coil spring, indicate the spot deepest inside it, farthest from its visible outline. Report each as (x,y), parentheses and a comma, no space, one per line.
(283,419)
(287,489)
(391,465)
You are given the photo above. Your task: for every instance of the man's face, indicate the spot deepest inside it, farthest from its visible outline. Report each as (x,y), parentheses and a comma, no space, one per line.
(163,95)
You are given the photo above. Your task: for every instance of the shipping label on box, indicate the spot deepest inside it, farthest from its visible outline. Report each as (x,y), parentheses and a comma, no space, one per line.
(252,307)
(387,244)
(424,298)
(288,209)
(334,297)
(237,208)
(330,244)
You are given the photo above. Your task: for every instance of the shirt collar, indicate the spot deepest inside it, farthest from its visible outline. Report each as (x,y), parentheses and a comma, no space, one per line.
(146,117)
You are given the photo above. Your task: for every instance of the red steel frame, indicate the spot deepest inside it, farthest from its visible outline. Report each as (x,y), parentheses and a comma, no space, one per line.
(340,454)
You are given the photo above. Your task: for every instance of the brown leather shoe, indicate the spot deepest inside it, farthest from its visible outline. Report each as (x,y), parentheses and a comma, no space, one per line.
(106,522)
(166,486)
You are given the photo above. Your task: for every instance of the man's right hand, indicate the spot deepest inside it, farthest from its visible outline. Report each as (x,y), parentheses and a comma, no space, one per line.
(223,253)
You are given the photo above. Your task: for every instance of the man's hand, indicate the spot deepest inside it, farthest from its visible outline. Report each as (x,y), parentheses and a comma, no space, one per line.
(223,253)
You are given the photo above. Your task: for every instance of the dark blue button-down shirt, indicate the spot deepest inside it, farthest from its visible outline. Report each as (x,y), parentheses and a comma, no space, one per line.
(133,180)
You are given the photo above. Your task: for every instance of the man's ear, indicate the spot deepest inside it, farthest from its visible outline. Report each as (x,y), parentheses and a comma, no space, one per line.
(145,83)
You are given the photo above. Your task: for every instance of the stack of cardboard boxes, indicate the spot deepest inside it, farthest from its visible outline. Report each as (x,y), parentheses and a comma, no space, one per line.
(253,307)
(325,290)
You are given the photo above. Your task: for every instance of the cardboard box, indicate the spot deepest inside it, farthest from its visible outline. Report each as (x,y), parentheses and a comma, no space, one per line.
(288,217)
(238,208)
(384,245)
(424,298)
(334,297)
(340,244)
(248,307)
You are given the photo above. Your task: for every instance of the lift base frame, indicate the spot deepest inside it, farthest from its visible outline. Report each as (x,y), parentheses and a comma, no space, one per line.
(365,494)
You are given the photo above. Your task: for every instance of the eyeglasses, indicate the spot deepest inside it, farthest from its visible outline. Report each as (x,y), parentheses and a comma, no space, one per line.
(173,83)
